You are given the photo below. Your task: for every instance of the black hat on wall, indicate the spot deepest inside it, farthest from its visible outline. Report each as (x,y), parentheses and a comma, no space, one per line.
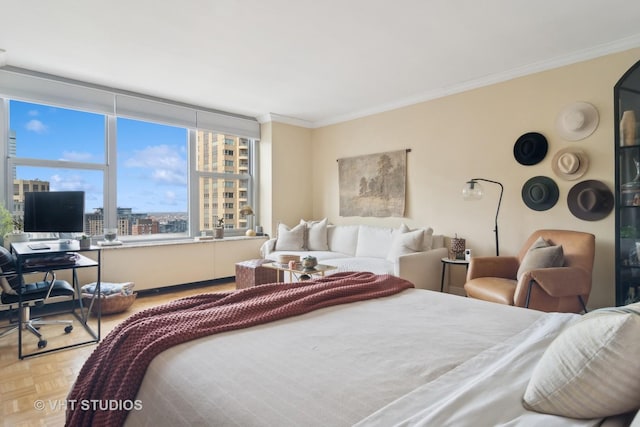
(530,148)
(540,193)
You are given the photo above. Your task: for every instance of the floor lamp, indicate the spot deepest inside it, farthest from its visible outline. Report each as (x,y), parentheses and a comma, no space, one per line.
(474,191)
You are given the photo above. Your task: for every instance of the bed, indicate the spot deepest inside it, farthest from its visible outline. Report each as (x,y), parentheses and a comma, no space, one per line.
(409,357)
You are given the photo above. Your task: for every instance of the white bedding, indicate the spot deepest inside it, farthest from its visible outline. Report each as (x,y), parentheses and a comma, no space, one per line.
(415,358)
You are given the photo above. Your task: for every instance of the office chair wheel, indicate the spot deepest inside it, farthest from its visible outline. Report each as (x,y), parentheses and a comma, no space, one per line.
(68,329)
(42,343)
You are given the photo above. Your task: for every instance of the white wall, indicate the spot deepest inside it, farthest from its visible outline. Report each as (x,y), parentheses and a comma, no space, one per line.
(471,135)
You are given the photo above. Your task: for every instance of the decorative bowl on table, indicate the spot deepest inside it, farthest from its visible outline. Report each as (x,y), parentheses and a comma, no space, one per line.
(309,263)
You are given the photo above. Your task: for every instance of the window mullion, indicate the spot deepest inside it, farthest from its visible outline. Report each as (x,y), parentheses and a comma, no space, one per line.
(110,181)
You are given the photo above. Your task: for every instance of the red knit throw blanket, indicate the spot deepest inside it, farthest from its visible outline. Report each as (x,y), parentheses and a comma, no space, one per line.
(115,369)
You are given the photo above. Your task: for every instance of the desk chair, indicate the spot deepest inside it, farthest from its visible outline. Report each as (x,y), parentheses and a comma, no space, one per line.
(32,294)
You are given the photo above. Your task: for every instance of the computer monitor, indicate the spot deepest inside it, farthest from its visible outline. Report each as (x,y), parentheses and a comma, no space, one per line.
(54,212)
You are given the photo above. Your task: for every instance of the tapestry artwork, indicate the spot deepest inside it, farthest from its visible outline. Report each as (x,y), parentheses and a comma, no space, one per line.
(373,185)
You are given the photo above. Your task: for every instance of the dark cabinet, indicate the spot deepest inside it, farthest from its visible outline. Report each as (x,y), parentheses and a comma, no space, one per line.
(627,186)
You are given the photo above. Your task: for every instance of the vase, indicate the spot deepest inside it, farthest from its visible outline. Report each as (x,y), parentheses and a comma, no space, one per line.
(218,233)
(457,248)
(628,128)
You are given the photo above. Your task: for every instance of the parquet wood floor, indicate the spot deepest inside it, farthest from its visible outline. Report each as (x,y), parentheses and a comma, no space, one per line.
(45,380)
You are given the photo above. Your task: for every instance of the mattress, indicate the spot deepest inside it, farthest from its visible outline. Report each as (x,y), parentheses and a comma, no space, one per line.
(415,358)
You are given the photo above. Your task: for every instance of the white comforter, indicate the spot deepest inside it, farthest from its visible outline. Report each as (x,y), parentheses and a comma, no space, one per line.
(416,358)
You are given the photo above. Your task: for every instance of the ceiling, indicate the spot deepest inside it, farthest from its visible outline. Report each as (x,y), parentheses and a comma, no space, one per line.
(311,62)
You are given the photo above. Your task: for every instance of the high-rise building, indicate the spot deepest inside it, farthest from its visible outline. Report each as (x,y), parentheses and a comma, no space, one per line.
(21,186)
(222,198)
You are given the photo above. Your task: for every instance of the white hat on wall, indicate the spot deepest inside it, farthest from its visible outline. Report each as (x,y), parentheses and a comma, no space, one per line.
(577,121)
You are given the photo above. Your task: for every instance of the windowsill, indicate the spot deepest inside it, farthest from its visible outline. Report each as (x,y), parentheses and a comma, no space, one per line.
(182,241)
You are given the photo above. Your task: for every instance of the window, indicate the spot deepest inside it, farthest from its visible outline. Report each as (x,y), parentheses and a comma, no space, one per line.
(150,167)
(55,149)
(235,181)
(152,178)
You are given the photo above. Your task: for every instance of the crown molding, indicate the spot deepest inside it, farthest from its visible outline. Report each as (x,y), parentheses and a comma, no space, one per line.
(273,117)
(536,67)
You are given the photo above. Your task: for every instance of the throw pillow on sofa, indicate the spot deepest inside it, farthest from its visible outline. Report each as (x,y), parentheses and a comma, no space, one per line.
(373,242)
(405,242)
(427,240)
(316,235)
(290,239)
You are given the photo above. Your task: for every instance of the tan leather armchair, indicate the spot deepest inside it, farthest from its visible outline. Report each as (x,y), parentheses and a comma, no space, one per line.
(560,289)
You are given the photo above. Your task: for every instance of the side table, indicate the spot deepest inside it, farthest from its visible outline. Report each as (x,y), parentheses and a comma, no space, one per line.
(448,261)
(252,273)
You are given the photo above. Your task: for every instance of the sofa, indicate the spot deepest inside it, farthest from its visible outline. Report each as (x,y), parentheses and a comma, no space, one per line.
(411,254)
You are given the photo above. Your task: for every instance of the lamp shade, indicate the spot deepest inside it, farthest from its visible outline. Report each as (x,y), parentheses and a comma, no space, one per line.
(246,210)
(472,190)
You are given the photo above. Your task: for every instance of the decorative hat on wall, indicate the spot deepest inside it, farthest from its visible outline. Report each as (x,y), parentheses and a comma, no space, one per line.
(577,121)
(590,200)
(540,193)
(570,163)
(530,148)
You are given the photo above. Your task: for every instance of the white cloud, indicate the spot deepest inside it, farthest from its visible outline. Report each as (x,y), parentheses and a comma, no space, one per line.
(168,176)
(36,126)
(167,165)
(69,183)
(33,113)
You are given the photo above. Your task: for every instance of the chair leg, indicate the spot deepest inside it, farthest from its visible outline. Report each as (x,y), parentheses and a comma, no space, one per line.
(29,327)
(526,301)
(584,307)
(9,329)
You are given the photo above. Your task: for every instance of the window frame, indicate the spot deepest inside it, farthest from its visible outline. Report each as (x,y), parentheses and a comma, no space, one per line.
(38,88)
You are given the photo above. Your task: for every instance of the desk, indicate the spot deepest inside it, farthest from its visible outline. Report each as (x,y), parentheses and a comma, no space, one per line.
(448,261)
(26,253)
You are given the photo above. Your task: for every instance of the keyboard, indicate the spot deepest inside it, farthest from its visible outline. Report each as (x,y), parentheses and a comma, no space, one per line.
(38,246)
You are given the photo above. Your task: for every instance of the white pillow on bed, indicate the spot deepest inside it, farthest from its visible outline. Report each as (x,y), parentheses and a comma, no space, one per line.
(592,369)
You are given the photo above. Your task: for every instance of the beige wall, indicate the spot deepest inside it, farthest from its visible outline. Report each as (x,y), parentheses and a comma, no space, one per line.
(286,186)
(459,137)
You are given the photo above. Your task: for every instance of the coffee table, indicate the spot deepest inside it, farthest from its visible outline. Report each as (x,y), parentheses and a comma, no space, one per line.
(298,272)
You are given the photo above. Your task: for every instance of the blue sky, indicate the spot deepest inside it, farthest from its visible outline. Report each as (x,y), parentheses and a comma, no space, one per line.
(152,158)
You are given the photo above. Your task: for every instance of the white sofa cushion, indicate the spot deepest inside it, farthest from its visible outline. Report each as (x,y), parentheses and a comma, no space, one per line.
(290,239)
(428,240)
(405,242)
(316,235)
(373,265)
(374,241)
(343,238)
